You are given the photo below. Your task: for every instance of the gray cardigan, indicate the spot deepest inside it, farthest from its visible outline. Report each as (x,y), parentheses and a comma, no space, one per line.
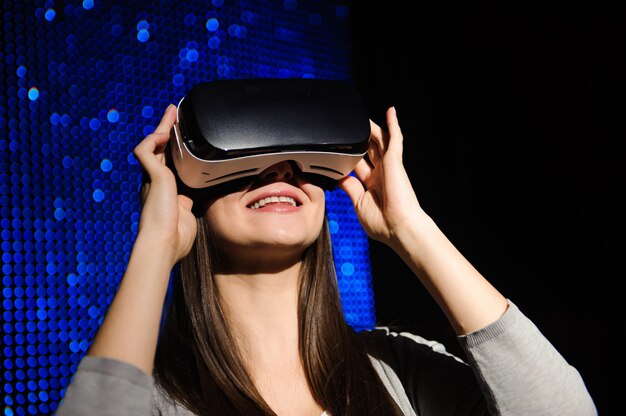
(511,369)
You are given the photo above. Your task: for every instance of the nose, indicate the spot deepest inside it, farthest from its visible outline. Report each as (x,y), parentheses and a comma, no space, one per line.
(281,171)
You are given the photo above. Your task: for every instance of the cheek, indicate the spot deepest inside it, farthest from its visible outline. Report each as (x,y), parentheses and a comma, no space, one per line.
(219,219)
(319,197)
(320,215)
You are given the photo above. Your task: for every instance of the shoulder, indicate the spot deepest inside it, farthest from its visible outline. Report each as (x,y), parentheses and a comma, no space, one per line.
(418,372)
(383,343)
(412,358)
(164,405)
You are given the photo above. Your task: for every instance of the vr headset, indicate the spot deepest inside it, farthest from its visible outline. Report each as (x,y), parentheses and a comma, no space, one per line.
(230,130)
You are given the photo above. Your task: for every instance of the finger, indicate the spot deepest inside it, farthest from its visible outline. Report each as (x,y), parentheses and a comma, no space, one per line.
(373,153)
(392,122)
(375,129)
(385,133)
(167,121)
(152,144)
(146,152)
(363,171)
(395,134)
(159,138)
(377,135)
(353,187)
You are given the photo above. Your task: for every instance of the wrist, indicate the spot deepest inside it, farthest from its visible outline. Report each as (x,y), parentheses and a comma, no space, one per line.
(411,231)
(155,249)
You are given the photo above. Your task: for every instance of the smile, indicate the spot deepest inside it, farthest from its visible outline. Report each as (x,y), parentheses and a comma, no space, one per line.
(273,200)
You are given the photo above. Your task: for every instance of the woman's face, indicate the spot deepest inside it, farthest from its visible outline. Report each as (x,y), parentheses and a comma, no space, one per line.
(280,214)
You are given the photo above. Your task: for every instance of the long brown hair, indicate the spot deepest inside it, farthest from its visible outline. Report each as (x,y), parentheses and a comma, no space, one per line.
(199,364)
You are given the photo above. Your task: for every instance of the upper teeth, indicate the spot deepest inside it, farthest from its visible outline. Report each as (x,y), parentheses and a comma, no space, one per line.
(272,199)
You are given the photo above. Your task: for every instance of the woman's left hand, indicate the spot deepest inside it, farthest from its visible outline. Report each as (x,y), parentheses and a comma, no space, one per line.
(383,197)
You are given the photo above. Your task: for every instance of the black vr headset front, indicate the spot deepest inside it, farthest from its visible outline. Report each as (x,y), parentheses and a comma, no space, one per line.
(230,130)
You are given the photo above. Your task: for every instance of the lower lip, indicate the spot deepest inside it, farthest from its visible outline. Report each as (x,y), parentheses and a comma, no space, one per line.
(277,208)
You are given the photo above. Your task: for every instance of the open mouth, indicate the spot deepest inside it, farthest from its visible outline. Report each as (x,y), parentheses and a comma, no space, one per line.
(273,200)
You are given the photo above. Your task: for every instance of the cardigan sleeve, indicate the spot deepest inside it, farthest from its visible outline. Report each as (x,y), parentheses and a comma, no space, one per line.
(511,369)
(107,387)
(520,371)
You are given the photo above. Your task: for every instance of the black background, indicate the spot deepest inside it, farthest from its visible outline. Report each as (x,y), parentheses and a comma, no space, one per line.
(510,114)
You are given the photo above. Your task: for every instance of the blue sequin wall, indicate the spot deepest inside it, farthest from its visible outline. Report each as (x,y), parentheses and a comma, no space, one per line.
(82,84)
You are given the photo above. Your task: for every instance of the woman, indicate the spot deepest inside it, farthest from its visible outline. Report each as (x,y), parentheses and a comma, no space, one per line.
(254,324)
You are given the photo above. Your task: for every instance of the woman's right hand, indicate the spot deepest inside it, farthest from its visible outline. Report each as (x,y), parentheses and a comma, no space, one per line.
(167,229)
(166,216)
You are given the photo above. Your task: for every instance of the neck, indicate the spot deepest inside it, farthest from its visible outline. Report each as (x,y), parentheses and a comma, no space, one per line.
(262,310)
